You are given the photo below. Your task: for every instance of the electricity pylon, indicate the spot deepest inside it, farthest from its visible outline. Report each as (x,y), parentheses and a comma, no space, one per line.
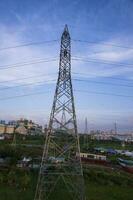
(86,133)
(14,139)
(61,175)
(86,126)
(115,128)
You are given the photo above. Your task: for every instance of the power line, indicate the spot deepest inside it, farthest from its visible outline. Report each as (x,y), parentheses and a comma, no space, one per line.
(101,43)
(25,64)
(28,77)
(100,61)
(75,73)
(28,84)
(104,83)
(74,40)
(75,58)
(84,91)
(23,95)
(104,93)
(114,78)
(53,80)
(27,44)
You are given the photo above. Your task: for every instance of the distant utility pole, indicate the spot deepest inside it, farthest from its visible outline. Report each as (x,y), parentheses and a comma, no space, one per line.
(86,133)
(45,129)
(14,139)
(61,174)
(86,126)
(115,128)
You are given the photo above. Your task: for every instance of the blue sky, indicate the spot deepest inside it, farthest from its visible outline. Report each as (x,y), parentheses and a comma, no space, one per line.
(103,22)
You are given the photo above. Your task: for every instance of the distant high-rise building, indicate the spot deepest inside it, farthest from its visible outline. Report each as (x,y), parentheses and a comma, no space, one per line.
(2,122)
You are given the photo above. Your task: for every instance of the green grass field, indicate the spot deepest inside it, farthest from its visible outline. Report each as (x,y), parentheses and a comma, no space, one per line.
(101,184)
(99,192)
(93,192)
(87,143)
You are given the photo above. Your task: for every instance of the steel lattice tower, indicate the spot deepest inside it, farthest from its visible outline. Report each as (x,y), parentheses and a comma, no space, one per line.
(86,126)
(61,175)
(86,133)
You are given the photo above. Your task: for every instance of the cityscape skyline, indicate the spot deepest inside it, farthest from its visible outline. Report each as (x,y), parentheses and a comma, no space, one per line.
(107,63)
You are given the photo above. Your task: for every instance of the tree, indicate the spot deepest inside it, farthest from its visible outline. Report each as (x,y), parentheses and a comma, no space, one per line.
(25,180)
(11,178)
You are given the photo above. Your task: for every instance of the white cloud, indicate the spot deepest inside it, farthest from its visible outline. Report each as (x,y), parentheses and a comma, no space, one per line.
(15,37)
(112,53)
(102,55)
(24,54)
